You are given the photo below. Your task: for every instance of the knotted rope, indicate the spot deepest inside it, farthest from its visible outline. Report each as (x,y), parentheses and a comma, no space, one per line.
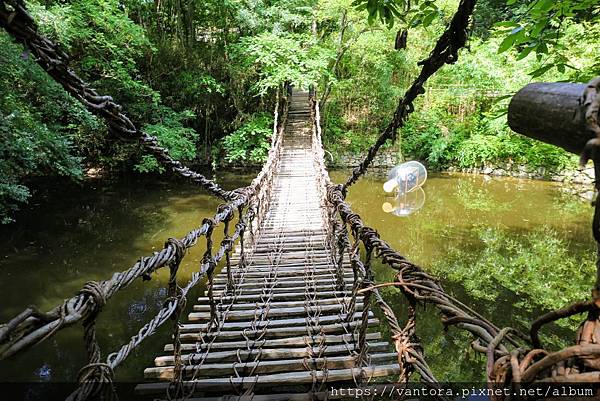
(445,52)
(22,27)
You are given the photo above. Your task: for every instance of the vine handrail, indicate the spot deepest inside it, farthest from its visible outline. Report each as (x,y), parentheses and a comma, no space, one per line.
(23,28)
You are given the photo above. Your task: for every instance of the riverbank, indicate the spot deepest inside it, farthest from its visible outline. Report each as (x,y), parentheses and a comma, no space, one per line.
(576,181)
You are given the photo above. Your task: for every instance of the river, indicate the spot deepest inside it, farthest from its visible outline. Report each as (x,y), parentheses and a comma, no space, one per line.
(511,249)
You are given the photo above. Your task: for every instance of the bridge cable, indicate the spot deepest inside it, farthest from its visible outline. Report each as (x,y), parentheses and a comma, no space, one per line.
(15,19)
(445,51)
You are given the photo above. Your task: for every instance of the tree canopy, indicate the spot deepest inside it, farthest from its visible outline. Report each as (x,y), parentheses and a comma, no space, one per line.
(200,75)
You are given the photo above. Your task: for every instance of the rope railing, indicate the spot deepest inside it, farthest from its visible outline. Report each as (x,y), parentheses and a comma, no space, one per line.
(15,19)
(31,326)
(444,52)
(416,285)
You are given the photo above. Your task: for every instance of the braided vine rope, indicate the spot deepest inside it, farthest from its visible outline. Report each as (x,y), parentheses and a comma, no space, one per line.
(445,51)
(15,19)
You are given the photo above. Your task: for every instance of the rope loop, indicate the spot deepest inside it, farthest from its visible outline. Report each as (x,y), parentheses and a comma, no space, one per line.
(96,372)
(180,250)
(180,300)
(227,243)
(95,378)
(209,260)
(211,222)
(94,290)
(227,209)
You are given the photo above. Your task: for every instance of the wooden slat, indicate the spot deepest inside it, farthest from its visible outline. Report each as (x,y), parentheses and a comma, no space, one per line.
(295,290)
(225,384)
(267,353)
(270,313)
(191,333)
(282,322)
(280,342)
(283,304)
(261,367)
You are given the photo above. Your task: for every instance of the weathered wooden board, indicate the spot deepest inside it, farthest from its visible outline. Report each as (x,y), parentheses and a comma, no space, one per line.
(271,380)
(261,367)
(285,321)
(191,332)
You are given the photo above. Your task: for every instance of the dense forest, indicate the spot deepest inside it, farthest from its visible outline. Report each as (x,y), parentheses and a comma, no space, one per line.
(200,75)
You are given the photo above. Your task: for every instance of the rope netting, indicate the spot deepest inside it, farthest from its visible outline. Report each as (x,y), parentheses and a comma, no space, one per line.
(513,358)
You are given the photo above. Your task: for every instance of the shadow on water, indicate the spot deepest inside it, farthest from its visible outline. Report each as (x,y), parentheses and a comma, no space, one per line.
(510,249)
(489,241)
(78,234)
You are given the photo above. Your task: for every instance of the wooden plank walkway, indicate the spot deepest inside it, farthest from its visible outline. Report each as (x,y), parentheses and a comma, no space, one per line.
(285,329)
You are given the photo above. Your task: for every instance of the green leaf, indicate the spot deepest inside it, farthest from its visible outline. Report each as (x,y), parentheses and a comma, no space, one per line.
(506,43)
(505,24)
(525,52)
(538,28)
(542,48)
(429,18)
(540,71)
(545,5)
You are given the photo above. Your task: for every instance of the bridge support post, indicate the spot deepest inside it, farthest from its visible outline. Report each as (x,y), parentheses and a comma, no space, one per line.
(174,293)
(208,259)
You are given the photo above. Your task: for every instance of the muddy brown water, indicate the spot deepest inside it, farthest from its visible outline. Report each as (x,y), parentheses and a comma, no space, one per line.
(67,238)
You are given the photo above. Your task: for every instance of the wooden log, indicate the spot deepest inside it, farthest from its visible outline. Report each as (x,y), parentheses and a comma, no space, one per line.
(225,384)
(551,113)
(267,353)
(261,367)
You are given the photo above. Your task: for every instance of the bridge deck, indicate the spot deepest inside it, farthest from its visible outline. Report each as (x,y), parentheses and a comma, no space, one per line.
(284,327)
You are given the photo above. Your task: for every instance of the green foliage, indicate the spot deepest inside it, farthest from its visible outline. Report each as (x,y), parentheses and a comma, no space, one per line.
(191,74)
(538,264)
(540,27)
(105,44)
(387,11)
(250,142)
(38,124)
(172,135)
(271,59)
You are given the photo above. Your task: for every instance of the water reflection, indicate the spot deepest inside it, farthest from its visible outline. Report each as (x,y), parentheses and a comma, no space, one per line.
(405,204)
(511,249)
(478,236)
(86,233)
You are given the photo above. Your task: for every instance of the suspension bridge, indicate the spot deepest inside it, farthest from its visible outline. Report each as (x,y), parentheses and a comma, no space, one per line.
(292,308)
(288,315)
